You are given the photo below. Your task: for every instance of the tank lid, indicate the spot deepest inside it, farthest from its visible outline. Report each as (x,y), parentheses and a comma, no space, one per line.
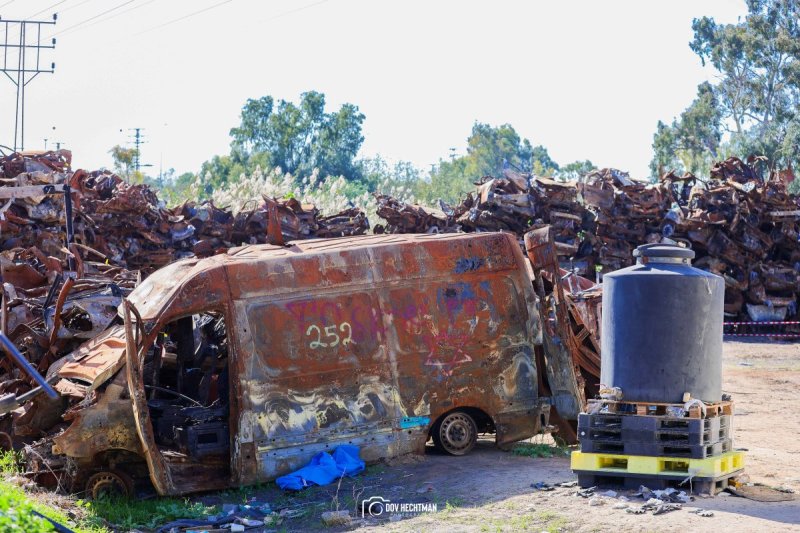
(663,250)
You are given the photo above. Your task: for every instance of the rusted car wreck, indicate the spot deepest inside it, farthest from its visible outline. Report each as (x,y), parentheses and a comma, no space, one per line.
(237,368)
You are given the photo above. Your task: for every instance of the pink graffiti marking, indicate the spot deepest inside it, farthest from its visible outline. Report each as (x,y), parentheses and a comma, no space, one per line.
(446,352)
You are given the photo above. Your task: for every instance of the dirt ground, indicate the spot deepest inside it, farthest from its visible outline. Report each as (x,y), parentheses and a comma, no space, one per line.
(490,490)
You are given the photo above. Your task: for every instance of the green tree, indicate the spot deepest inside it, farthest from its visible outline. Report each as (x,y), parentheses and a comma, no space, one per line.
(575,170)
(377,175)
(298,138)
(753,107)
(125,163)
(692,142)
(759,60)
(174,189)
(490,151)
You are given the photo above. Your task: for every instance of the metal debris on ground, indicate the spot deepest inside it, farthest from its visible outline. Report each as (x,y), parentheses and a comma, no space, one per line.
(597,500)
(672,495)
(234,517)
(666,508)
(336,518)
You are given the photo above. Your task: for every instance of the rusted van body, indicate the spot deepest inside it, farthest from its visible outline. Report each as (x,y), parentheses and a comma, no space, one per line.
(242,366)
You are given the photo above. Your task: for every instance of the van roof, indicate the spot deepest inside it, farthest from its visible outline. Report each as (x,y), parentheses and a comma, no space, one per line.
(157,290)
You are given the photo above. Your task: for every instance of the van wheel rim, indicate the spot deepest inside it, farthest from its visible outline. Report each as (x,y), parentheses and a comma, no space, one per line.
(107,484)
(457,433)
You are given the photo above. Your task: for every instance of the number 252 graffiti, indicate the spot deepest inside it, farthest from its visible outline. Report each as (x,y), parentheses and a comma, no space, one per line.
(330,335)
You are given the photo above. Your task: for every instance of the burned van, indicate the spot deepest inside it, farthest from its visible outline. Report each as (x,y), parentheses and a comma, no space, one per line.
(238,368)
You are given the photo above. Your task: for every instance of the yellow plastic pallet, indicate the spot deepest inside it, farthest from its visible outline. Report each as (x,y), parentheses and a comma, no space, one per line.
(718,465)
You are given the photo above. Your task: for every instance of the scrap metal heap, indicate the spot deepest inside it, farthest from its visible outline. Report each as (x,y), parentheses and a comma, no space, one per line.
(59,294)
(742,226)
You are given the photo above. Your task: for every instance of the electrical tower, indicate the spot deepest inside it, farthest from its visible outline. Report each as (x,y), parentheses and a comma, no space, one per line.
(21,68)
(138,140)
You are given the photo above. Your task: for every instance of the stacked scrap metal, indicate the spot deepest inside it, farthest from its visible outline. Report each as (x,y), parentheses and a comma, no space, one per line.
(59,292)
(742,226)
(409,218)
(126,224)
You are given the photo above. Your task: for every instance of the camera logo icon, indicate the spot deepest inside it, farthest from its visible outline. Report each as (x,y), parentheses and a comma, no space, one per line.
(373,506)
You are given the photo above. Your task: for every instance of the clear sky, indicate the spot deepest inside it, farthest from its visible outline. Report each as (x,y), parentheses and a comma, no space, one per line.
(587,79)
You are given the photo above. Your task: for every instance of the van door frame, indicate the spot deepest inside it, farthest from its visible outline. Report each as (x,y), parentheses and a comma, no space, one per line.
(160,474)
(159,471)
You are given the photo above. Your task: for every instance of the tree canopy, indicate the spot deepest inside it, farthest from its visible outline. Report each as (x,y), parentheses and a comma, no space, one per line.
(490,151)
(299,138)
(753,107)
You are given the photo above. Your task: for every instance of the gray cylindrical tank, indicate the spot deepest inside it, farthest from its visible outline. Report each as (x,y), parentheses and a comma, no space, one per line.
(662,328)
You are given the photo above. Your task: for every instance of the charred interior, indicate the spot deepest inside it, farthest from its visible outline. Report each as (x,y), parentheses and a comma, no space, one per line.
(186,382)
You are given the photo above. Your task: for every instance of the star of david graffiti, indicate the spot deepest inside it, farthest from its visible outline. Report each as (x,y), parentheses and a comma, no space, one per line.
(446,352)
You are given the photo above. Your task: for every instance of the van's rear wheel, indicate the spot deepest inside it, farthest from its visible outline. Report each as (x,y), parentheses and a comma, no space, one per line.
(455,434)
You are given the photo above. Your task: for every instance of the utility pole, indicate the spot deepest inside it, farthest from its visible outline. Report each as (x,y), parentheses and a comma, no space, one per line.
(22,69)
(138,140)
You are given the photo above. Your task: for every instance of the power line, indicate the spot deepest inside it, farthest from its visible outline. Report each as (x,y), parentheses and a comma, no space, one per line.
(94,17)
(73,6)
(301,8)
(44,10)
(111,16)
(209,8)
(9,2)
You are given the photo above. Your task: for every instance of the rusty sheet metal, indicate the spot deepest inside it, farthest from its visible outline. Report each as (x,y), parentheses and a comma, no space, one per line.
(369,340)
(95,361)
(562,348)
(108,424)
(134,369)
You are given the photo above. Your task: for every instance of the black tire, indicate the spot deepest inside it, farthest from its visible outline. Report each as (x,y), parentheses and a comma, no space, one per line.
(455,433)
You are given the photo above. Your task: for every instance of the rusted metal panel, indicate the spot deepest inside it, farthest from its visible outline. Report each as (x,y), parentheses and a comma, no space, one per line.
(107,424)
(94,362)
(159,472)
(562,349)
(369,340)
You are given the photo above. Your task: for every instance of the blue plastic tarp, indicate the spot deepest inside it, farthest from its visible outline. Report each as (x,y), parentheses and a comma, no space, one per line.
(324,468)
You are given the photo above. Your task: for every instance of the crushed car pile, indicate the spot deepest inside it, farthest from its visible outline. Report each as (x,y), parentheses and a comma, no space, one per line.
(741,222)
(63,282)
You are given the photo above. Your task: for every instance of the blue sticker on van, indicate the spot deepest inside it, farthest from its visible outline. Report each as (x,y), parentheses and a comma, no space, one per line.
(414,421)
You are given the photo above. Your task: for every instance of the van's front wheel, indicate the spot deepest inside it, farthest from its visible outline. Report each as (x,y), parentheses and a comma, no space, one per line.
(107,484)
(455,433)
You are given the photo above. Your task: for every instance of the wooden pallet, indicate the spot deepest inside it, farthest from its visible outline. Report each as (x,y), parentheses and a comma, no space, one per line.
(697,485)
(657,408)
